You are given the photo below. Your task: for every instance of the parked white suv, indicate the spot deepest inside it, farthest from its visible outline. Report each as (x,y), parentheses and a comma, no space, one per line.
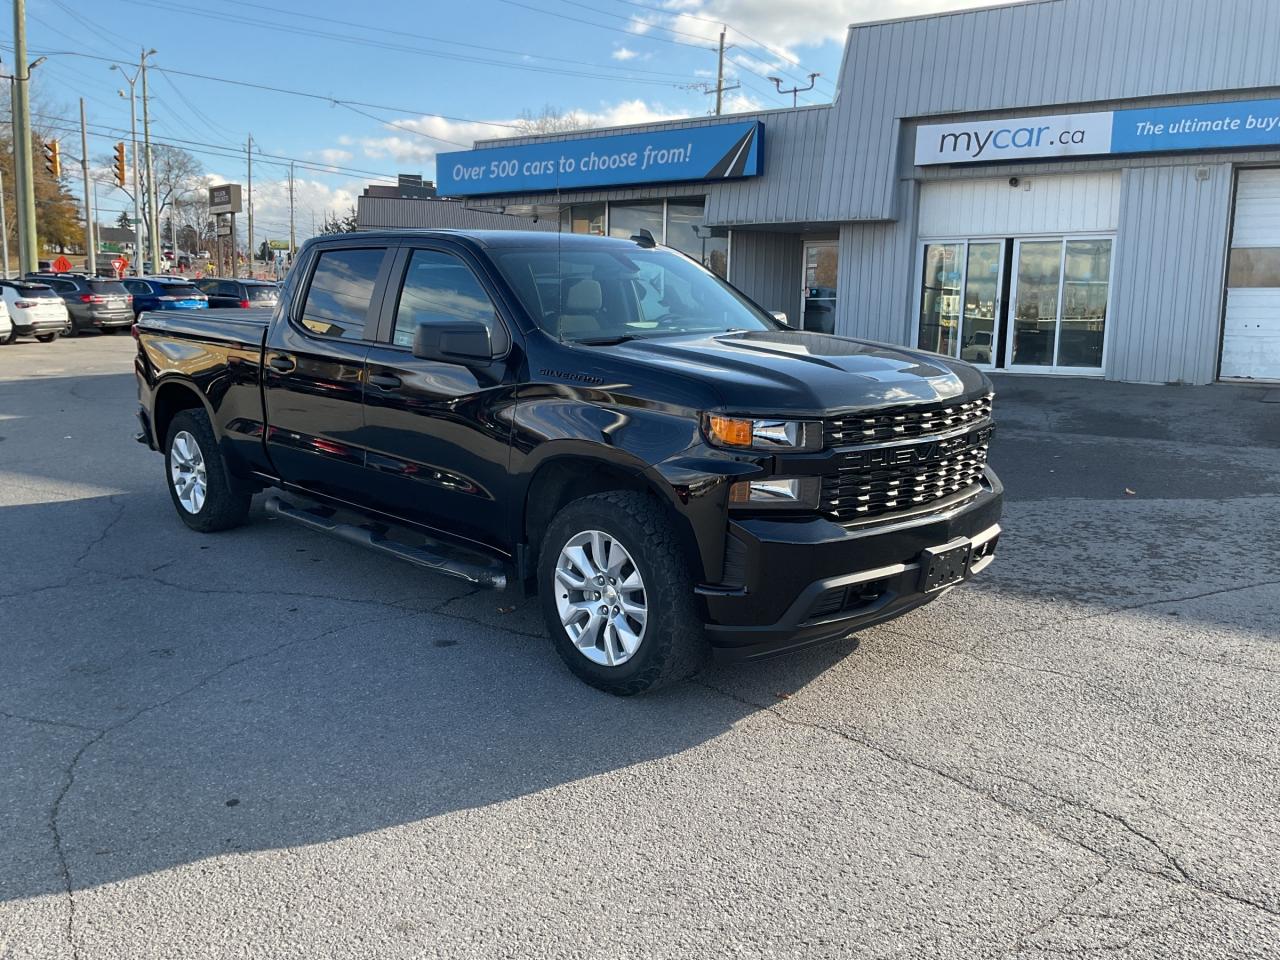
(35,310)
(6,325)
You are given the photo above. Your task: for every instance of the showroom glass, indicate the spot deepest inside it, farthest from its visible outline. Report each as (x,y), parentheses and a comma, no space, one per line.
(438,287)
(624,293)
(626,220)
(341,287)
(1038,269)
(686,233)
(1085,282)
(583,218)
(981,301)
(940,297)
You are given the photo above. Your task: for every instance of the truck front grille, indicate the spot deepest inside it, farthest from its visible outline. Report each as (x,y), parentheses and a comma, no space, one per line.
(902,423)
(884,480)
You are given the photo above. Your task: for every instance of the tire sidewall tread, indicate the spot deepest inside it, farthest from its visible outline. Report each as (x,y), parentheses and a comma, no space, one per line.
(675,645)
(223,507)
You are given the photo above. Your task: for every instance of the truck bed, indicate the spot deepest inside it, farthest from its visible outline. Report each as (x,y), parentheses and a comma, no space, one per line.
(231,326)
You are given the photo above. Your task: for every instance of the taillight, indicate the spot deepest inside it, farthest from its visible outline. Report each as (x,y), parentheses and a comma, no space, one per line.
(133,329)
(92,298)
(244,304)
(23,304)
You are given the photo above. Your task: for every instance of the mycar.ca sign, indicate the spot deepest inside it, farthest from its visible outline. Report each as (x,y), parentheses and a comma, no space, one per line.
(1202,127)
(714,151)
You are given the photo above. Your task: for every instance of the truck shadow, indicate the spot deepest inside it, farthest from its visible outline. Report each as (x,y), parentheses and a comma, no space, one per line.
(279,689)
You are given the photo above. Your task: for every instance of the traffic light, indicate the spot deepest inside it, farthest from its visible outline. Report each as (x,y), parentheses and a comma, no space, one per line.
(120,176)
(53,158)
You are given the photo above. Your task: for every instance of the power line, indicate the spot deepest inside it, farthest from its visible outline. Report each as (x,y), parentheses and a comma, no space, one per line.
(604,26)
(405,48)
(325,98)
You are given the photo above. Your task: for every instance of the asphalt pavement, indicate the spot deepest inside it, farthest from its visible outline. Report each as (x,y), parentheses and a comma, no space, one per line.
(267,743)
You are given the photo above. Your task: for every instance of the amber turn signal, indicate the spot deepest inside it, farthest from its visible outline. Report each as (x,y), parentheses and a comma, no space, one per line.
(730,431)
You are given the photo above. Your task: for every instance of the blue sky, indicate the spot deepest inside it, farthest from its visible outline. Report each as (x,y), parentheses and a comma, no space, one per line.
(418,75)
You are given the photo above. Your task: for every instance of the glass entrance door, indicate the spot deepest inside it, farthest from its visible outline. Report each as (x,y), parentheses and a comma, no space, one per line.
(960,299)
(819,296)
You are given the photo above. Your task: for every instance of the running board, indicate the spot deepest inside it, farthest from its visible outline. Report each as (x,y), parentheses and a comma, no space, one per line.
(477,572)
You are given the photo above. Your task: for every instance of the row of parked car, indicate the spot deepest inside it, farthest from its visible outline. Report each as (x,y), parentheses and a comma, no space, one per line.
(49,305)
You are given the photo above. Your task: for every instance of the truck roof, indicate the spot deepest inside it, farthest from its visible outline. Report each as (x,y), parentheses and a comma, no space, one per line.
(491,238)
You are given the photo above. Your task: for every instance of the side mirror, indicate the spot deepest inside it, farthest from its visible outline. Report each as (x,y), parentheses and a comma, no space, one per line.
(781,317)
(454,341)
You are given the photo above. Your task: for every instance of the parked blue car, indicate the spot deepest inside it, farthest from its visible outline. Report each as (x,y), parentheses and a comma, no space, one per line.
(164,293)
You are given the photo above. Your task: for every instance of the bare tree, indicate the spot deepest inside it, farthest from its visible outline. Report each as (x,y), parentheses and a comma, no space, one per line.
(550,120)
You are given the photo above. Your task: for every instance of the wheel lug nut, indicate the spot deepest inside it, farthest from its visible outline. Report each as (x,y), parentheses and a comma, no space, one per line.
(600,580)
(615,611)
(596,596)
(604,611)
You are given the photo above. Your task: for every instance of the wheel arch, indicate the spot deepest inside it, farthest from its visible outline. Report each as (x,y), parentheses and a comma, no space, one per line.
(169,399)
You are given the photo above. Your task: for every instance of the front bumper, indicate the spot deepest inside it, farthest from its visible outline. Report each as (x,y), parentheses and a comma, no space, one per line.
(809,581)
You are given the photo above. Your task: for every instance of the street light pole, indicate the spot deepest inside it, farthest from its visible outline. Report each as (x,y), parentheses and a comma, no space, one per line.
(153,218)
(248,149)
(24,173)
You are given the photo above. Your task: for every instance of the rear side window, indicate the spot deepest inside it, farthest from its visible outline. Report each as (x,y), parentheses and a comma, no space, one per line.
(341,288)
(439,287)
(228,288)
(139,287)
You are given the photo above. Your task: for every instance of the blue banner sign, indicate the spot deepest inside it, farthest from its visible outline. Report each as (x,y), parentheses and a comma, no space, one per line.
(1204,126)
(714,151)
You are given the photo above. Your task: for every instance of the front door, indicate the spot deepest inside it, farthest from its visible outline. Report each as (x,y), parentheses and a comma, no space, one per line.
(314,370)
(821,259)
(960,299)
(437,434)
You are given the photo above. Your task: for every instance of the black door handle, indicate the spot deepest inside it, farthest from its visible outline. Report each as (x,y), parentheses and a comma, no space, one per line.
(386,382)
(283,364)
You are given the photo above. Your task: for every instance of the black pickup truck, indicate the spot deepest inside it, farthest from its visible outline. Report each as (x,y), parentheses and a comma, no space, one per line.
(672,469)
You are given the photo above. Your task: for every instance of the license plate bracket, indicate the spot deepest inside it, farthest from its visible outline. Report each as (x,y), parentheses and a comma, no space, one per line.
(944,566)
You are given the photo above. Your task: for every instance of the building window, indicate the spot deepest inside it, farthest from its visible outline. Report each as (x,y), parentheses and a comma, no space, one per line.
(686,233)
(940,297)
(626,220)
(583,218)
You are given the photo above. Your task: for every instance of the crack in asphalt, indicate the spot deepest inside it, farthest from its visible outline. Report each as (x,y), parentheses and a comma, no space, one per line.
(25,718)
(69,774)
(1177,872)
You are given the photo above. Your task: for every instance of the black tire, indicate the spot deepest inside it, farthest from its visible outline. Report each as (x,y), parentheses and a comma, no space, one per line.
(47,337)
(673,645)
(223,507)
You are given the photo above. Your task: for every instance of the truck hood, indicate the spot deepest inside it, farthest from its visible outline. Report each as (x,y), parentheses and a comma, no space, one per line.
(806,373)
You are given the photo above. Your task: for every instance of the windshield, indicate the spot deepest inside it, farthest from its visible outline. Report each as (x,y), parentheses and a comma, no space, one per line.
(262,292)
(34,291)
(608,294)
(176,290)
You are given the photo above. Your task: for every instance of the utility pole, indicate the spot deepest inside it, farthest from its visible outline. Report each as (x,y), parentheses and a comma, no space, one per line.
(248,149)
(137,189)
(720,89)
(292,232)
(153,218)
(4,227)
(90,251)
(24,173)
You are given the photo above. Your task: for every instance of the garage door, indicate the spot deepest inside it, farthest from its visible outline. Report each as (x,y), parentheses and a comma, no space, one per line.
(1251,331)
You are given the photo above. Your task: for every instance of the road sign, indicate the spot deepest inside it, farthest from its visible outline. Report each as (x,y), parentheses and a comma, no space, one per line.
(119,264)
(278,244)
(62,265)
(224,198)
(224,228)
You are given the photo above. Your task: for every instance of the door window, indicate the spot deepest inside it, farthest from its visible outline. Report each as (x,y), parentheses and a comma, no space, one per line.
(940,297)
(341,289)
(438,287)
(1035,308)
(1085,281)
(821,261)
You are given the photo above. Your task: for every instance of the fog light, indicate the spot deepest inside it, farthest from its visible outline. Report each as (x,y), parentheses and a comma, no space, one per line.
(782,493)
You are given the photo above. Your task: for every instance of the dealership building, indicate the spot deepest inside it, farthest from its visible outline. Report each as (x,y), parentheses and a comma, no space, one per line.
(1082,187)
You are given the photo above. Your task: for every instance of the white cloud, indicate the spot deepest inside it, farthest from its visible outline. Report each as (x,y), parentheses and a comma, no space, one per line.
(784,26)
(312,200)
(335,155)
(623,54)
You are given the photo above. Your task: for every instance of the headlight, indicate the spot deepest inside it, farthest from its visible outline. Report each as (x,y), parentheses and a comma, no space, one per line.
(776,493)
(767,435)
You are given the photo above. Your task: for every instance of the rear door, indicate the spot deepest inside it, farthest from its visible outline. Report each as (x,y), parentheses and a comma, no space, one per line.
(313,374)
(437,434)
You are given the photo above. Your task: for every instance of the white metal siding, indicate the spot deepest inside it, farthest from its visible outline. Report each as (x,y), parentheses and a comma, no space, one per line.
(1251,330)
(1084,203)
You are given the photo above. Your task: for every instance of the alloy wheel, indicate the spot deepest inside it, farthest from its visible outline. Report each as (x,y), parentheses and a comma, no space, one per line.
(601,598)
